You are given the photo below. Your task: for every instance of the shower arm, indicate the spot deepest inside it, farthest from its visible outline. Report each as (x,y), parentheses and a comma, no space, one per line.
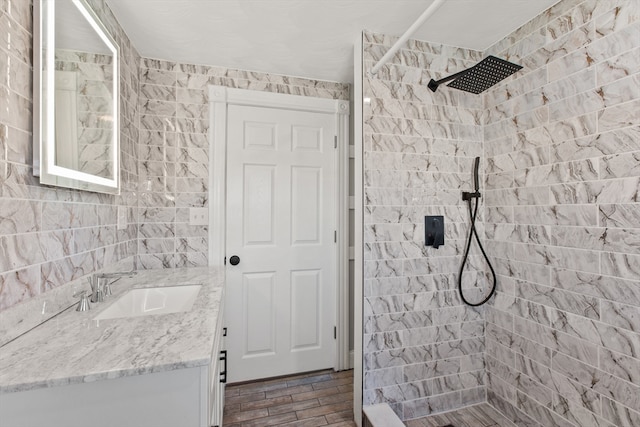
(407,35)
(433,84)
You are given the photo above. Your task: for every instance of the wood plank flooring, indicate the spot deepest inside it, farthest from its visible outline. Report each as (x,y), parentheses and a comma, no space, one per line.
(482,415)
(325,398)
(322,398)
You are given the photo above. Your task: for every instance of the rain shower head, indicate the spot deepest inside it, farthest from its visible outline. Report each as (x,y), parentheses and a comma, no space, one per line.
(480,77)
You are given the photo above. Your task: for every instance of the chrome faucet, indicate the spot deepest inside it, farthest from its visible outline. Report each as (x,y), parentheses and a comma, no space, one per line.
(97,292)
(103,283)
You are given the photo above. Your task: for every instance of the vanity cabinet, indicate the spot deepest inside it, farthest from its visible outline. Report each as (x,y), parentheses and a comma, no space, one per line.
(153,370)
(216,392)
(217,378)
(186,397)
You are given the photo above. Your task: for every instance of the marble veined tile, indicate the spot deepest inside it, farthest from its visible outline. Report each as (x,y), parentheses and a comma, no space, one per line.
(618,67)
(621,316)
(604,239)
(557,173)
(620,165)
(15,39)
(615,43)
(621,15)
(614,142)
(540,412)
(562,46)
(601,286)
(625,393)
(157,77)
(574,127)
(18,286)
(619,414)
(619,215)
(626,266)
(618,92)
(565,301)
(19,216)
(619,116)
(608,192)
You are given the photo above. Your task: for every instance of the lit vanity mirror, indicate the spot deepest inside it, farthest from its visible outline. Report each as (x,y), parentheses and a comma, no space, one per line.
(76,135)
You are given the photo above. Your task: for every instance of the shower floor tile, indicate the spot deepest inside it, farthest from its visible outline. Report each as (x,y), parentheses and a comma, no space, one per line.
(483,415)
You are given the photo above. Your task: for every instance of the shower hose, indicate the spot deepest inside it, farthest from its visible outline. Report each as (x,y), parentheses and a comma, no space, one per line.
(472,232)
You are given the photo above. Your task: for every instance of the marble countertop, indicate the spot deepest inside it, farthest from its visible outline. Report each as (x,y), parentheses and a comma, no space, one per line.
(73,348)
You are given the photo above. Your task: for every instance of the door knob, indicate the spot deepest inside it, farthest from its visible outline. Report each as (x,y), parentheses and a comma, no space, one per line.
(234,260)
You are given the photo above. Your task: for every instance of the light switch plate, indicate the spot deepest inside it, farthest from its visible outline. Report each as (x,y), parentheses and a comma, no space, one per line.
(199,216)
(122,218)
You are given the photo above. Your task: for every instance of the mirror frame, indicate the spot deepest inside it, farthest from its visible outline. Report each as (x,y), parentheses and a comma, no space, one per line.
(44,103)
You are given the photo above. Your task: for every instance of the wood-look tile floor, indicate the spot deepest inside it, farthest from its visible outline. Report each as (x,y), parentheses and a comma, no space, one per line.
(323,398)
(482,415)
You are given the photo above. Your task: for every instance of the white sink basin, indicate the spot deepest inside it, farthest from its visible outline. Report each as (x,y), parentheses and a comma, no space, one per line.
(147,301)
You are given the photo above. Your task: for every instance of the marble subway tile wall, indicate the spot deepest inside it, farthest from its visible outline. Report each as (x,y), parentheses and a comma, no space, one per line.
(174,151)
(92,76)
(51,236)
(423,349)
(562,150)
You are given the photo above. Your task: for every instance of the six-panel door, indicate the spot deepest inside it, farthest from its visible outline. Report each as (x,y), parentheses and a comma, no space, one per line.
(281,216)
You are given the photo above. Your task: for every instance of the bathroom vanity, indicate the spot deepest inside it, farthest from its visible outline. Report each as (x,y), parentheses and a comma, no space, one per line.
(138,370)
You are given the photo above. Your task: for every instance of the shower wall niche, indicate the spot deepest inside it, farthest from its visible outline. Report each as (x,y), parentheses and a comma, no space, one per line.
(559,344)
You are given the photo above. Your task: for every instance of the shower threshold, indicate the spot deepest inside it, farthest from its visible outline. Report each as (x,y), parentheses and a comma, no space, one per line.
(482,415)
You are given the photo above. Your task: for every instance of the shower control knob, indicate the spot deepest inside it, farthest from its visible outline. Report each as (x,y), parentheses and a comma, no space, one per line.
(234,260)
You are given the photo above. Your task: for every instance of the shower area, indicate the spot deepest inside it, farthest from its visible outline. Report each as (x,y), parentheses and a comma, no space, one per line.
(558,142)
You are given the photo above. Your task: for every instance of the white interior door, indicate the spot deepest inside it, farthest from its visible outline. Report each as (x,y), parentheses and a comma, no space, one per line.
(281,220)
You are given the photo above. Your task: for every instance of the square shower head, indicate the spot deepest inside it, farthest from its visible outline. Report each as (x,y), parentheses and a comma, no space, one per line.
(484,74)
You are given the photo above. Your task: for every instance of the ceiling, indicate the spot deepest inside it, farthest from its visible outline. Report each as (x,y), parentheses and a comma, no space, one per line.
(74,32)
(305,38)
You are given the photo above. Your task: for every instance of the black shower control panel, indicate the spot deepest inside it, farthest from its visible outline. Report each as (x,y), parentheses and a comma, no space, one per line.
(434,230)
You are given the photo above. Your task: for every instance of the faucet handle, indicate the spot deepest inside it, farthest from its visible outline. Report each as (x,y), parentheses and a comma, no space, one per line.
(107,290)
(106,287)
(83,304)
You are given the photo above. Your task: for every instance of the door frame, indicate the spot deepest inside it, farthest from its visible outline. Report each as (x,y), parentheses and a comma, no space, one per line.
(358,225)
(220,97)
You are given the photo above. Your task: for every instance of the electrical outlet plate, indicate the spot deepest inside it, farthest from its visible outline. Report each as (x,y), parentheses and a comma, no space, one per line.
(199,216)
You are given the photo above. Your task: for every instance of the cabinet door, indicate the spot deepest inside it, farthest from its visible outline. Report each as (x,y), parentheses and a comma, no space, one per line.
(218,381)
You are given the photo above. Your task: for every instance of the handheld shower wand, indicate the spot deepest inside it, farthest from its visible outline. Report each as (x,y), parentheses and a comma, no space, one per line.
(467,196)
(476,181)
(473,213)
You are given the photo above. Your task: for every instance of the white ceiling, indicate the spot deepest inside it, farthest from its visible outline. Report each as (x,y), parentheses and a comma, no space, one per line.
(74,32)
(305,38)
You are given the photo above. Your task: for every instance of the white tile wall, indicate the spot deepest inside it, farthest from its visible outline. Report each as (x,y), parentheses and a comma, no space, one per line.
(424,350)
(52,236)
(49,236)
(564,203)
(174,151)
